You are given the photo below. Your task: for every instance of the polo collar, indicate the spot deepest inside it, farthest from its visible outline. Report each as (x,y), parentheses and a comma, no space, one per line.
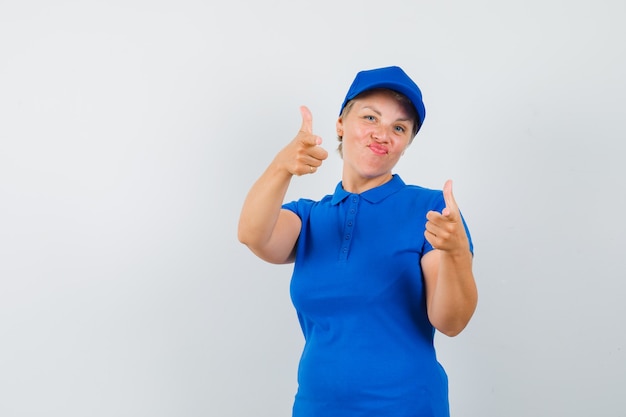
(375,195)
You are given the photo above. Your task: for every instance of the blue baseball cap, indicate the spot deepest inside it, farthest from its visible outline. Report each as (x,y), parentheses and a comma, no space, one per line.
(392,78)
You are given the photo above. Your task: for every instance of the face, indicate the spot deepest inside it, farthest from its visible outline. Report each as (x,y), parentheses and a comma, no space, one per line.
(376,131)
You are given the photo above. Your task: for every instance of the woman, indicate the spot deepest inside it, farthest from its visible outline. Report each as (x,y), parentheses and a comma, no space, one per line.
(379,265)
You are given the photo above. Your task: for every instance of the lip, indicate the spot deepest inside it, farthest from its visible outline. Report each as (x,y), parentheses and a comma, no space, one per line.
(378,149)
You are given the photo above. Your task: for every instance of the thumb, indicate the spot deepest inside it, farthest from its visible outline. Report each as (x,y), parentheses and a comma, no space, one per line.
(448,197)
(307,120)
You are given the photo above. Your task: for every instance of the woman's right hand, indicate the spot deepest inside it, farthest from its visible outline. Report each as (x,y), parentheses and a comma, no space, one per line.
(303,155)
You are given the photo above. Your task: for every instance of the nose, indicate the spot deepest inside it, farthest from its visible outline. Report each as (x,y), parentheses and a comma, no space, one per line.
(381,133)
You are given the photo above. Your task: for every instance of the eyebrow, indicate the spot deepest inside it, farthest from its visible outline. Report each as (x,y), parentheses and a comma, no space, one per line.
(408,119)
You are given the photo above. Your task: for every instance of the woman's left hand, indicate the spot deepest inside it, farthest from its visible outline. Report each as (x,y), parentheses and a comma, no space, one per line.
(445,231)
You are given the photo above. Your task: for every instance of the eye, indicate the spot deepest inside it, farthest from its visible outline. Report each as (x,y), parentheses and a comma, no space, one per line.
(369,117)
(400,129)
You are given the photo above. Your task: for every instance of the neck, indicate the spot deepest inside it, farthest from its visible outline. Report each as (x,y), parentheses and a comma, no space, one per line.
(360,185)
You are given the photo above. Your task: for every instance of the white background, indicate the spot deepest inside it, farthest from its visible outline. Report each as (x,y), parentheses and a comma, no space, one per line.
(130,132)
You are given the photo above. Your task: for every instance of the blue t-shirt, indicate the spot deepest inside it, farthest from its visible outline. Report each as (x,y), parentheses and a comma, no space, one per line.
(358,290)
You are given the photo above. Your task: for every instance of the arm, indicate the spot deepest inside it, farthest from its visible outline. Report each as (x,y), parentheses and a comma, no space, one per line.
(268,230)
(451,294)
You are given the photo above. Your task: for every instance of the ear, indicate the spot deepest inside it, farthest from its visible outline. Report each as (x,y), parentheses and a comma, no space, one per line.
(339,127)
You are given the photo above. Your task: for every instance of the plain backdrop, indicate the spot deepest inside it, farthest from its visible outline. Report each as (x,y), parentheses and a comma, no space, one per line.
(130,132)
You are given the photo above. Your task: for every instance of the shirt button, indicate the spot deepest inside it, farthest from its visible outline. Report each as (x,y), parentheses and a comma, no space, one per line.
(347,237)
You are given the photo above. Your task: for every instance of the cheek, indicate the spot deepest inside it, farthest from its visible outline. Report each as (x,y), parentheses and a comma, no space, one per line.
(362,133)
(355,135)
(400,148)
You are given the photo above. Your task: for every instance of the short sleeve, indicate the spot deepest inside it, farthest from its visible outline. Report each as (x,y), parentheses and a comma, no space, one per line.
(301,207)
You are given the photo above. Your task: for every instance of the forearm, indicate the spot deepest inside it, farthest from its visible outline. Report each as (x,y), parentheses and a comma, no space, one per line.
(262,206)
(453,300)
